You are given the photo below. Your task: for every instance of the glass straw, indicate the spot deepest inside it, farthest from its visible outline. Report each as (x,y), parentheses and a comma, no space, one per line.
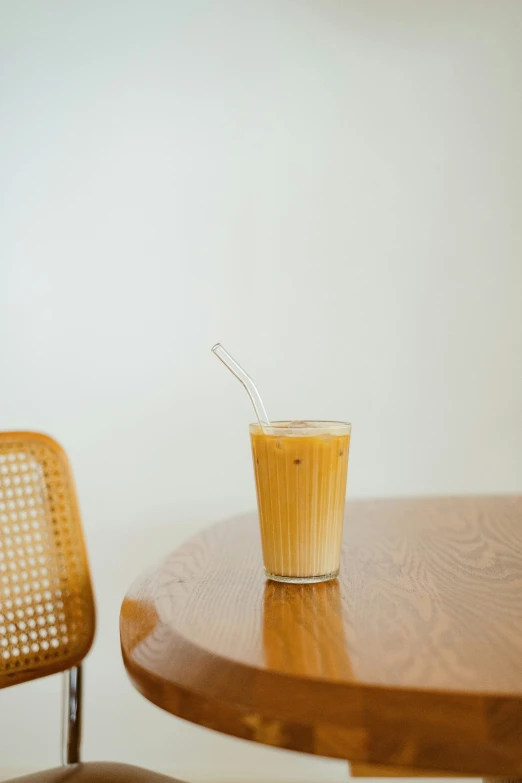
(246,380)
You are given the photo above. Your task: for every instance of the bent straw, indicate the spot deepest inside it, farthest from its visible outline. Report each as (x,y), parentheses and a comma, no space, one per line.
(246,380)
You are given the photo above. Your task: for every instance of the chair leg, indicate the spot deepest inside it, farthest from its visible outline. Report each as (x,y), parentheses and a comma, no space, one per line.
(72,716)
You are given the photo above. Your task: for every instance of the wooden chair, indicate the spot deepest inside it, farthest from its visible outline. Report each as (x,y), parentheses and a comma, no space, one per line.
(47,613)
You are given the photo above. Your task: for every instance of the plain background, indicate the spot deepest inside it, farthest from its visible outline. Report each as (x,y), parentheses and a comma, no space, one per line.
(333,189)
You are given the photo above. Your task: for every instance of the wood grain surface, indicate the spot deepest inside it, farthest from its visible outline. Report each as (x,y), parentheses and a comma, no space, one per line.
(413,658)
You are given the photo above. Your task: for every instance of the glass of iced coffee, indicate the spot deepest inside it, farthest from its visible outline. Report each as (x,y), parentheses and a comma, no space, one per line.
(301,470)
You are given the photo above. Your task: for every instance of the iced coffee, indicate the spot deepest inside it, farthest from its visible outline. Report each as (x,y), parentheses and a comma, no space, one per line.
(301,470)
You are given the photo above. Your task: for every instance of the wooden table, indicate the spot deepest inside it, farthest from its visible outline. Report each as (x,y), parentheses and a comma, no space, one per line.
(412,659)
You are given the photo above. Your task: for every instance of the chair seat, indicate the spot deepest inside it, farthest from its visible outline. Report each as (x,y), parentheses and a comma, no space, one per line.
(96,772)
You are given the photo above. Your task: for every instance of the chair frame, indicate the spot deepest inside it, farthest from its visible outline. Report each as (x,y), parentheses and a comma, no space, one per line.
(72,715)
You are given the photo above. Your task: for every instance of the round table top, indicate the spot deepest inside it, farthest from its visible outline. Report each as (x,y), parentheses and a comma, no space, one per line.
(412,658)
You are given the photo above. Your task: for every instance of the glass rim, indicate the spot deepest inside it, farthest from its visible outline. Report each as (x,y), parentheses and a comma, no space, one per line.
(316,427)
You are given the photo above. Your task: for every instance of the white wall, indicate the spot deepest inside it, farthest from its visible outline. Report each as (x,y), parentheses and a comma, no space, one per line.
(333,189)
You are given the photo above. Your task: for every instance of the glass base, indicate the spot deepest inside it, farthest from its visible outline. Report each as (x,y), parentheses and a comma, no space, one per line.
(302,580)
